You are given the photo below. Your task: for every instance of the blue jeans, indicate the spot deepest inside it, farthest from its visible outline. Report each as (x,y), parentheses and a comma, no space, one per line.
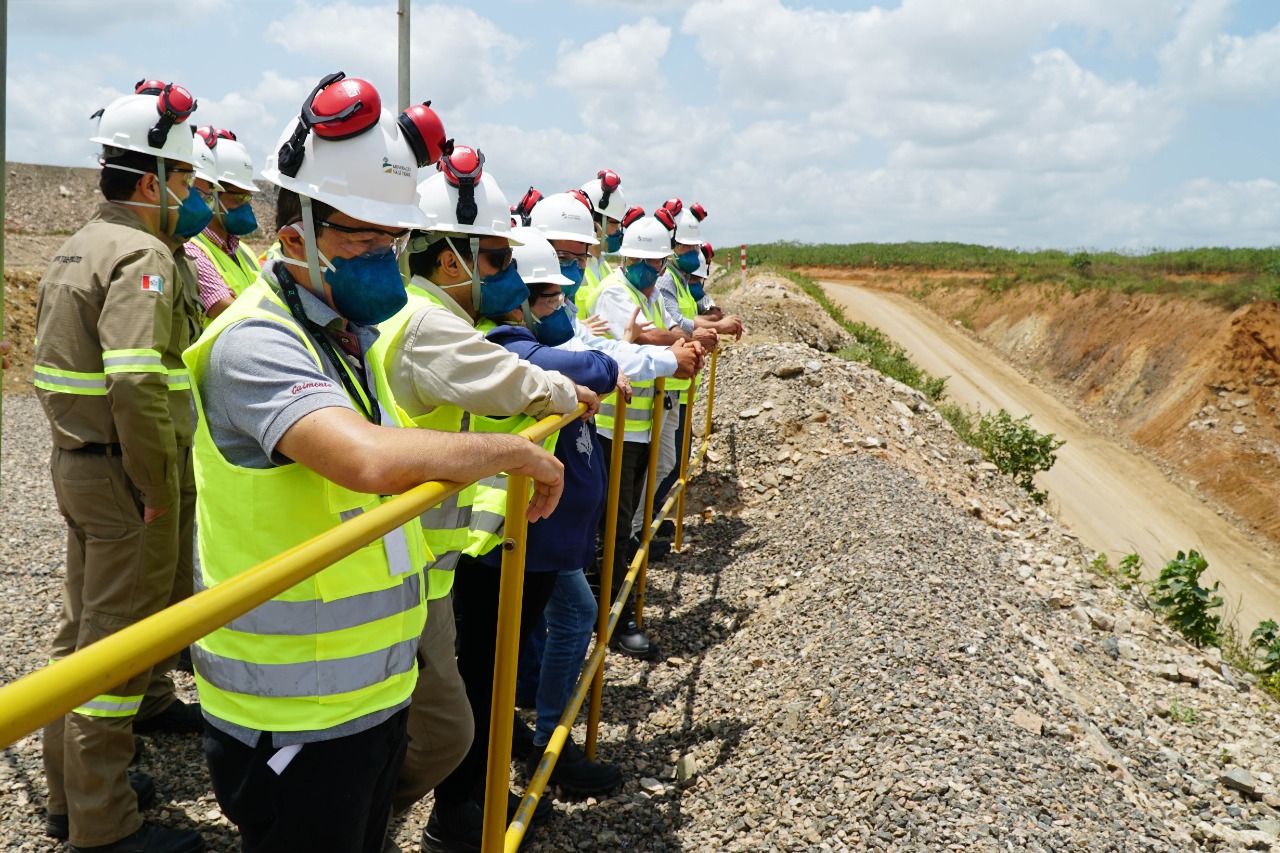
(552,660)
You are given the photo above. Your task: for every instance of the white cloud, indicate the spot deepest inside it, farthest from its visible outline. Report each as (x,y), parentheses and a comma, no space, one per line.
(458,56)
(64,18)
(48,110)
(1212,66)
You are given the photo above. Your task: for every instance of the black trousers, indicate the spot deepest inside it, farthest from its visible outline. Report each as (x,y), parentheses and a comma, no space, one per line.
(475,602)
(635,465)
(335,795)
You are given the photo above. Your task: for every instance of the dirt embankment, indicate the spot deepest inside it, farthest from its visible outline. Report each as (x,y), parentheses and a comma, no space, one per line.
(1194,383)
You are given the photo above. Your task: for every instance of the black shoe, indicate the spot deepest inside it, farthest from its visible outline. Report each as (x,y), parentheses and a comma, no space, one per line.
(658,550)
(179,718)
(526,701)
(631,641)
(577,774)
(522,740)
(667,529)
(460,828)
(151,839)
(56,825)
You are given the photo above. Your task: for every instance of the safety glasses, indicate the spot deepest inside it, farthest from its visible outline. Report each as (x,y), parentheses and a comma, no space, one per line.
(362,240)
(188,175)
(234,198)
(557,299)
(500,258)
(566,256)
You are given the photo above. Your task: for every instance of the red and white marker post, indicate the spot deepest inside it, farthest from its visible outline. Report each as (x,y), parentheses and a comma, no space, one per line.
(744,264)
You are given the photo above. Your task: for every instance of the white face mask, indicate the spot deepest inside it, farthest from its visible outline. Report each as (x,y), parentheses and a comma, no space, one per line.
(324,261)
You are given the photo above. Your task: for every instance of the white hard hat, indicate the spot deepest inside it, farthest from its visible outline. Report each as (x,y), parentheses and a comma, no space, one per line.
(137,123)
(704,266)
(563,216)
(646,238)
(606,195)
(235,167)
(439,198)
(202,158)
(536,259)
(370,175)
(688,226)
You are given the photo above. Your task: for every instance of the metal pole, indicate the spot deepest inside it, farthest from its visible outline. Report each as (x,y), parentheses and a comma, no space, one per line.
(684,469)
(606,567)
(744,264)
(506,653)
(404,55)
(4,166)
(650,486)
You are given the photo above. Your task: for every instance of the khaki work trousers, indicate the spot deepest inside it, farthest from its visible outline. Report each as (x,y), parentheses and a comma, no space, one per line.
(440,724)
(119,571)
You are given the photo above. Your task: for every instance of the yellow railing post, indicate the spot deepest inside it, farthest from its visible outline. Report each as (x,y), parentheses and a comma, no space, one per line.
(711,400)
(606,568)
(650,486)
(685,444)
(506,657)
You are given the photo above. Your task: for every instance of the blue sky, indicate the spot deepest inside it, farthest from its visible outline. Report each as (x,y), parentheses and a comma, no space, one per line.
(1032,123)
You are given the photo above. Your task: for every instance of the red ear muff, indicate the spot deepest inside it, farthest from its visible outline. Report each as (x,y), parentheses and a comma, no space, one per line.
(699,212)
(584,198)
(708,252)
(609,183)
(148,87)
(526,205)
(337,108)
(663,215)
(209,134)
(462,169)
(674,207)
(174,104)
(425,131)
(223,133)
(632,214)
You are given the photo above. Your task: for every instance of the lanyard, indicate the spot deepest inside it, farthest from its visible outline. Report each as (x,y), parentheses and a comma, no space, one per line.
(291,298)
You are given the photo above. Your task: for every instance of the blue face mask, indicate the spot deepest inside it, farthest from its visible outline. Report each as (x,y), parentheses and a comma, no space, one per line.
(555,328)
(502,292)
(641,275)
(688,262)
(613,242)
(367,289)
(193,216)
(573,272)
(240,220)
(696,290)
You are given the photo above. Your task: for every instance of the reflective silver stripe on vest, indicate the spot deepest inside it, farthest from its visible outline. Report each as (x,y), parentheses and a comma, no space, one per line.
(304,618)
(633,414)
(308,679)
(394,543)
(445,516)
(446,562)
(43,375)
(135,361)
(497,481)
(122,708)
(487,522)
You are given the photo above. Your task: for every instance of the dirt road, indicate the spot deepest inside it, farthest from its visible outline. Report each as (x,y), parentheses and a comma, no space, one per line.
(1114,500)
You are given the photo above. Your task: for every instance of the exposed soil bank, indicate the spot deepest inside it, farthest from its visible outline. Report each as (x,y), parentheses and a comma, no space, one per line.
(1191,381)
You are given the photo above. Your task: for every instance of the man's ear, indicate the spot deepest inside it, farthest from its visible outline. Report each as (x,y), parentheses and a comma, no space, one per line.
(291,242)
(448,261)
(148,188)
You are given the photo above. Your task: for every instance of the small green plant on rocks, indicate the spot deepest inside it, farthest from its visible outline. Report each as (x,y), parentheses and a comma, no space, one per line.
(1129,572)
(1180,713)
(1016,448)
(1265,642)
(1186,604)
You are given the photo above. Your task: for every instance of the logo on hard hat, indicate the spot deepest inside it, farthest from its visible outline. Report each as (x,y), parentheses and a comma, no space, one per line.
(395,168)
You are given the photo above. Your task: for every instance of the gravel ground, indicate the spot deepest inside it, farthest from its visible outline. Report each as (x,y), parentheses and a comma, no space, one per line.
(874,641)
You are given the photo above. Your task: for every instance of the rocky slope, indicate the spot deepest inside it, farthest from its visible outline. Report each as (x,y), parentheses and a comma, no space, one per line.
(873,642)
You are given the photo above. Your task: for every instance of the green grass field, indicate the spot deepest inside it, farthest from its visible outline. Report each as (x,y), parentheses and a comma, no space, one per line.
(1231,277)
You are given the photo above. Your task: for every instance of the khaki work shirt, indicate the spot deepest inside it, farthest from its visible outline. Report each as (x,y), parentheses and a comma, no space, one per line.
(115,309)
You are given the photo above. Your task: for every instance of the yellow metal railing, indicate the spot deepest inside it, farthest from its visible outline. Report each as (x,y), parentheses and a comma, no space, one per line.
(34,700)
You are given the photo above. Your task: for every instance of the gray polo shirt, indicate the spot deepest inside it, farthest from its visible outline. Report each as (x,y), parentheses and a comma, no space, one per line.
(262,380)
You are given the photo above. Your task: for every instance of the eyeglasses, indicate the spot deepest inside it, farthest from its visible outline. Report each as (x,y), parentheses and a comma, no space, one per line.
(207,195)
(188,175)
(234,199)
(361,240)
(557,298)
(500,258)
(566,256)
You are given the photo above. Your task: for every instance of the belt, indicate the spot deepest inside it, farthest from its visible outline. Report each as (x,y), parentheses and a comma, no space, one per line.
(99,449)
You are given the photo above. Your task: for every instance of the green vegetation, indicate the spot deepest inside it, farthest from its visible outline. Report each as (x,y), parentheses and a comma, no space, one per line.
(1180,713)
(872,346)
(1185,603)
(1011,444)
(1265,643)
(1231,277)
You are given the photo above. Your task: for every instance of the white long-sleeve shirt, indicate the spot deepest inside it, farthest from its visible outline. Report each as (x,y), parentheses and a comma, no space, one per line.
(640,362)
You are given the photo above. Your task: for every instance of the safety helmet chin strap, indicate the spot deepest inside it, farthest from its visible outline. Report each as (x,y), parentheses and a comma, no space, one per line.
(311,247)
(164,196)
(530,321)
(474,243)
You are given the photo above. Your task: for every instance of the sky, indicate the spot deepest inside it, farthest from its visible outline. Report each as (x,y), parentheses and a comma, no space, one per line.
(1070,124)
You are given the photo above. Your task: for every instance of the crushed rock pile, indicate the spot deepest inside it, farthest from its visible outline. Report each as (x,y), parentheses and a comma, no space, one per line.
(873,641)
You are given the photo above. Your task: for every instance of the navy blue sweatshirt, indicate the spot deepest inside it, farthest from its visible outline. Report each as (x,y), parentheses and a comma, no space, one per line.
(566,539)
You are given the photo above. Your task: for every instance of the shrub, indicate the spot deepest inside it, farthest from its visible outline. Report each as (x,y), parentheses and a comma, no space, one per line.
(1016,448)
(1265,641)
(1185,603)
(1129,572)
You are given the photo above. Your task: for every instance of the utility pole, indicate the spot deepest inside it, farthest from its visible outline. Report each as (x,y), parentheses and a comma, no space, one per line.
(404,55)
(4,165)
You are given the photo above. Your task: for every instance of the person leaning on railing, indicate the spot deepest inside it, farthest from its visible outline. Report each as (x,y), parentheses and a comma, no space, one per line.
(306,697)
